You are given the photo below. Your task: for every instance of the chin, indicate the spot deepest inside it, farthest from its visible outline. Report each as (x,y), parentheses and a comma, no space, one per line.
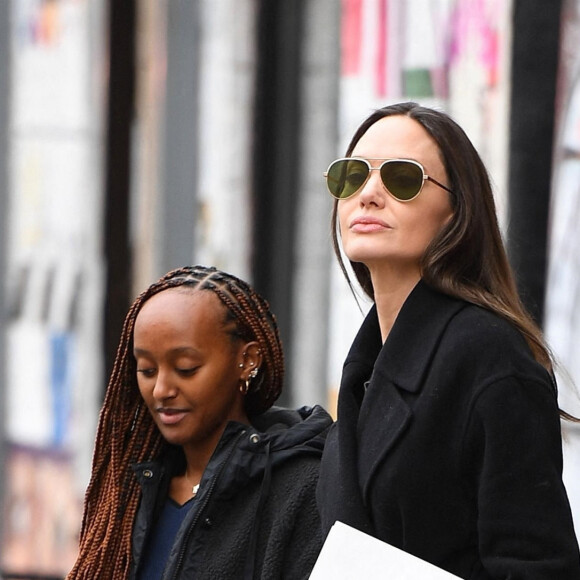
(366,257)
(172,438)
(363,250)
(172,435)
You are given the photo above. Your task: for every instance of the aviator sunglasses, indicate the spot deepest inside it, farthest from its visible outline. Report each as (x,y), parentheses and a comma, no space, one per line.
(403,178)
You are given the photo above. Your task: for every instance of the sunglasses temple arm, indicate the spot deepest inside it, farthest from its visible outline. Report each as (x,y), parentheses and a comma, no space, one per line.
(439,184)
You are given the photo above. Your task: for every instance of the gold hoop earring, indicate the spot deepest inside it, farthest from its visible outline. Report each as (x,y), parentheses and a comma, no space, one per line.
(245,386)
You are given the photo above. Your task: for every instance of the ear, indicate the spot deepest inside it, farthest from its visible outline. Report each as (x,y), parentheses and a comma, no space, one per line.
(251,359)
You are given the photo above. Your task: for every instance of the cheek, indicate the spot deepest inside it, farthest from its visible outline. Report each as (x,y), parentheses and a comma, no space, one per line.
(435,216)
(420,229)
(442,218)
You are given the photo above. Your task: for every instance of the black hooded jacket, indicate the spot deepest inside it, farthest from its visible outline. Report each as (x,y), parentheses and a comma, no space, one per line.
(255,513)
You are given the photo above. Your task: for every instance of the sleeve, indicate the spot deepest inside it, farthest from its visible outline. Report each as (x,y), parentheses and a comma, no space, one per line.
(513,445)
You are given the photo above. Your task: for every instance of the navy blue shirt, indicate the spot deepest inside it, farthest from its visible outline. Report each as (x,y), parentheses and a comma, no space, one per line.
(162,538)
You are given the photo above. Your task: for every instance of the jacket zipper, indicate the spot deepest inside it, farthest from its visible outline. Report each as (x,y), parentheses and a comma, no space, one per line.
(202,508)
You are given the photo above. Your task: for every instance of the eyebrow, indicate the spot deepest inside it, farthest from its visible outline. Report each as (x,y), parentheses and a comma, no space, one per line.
(176,350)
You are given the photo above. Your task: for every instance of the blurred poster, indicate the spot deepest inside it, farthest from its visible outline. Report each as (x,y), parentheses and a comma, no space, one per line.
(449,54)
(41,512)
(53,349)
(452,54)
(562,309)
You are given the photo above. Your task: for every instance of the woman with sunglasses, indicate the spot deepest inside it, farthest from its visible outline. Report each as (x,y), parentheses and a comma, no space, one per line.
(447,443)
(195,473)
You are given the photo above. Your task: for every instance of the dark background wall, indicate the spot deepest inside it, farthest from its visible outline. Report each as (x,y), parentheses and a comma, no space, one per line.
(275,157)
(536,38)
(118,160)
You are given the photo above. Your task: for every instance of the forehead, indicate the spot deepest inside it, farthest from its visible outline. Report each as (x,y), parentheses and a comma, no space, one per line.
(397,136)
(182,304)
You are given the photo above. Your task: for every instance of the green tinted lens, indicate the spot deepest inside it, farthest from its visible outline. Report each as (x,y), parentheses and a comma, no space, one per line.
(346,176)
(402,178)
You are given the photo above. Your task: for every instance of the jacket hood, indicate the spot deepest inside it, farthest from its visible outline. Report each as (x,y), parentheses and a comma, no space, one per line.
(303,428)
(276,436)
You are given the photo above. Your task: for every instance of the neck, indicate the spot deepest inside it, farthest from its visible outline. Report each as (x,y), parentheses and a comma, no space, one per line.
(196,460)
(390,292)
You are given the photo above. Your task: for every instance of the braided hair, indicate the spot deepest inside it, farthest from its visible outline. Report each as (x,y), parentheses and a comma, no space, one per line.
(126,431)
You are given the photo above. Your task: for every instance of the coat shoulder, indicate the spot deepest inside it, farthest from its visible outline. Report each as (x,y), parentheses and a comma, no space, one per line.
(484,334)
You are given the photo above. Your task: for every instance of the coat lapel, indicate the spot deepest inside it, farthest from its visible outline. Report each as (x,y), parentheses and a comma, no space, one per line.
(400,367)
(383,418)
(339,494)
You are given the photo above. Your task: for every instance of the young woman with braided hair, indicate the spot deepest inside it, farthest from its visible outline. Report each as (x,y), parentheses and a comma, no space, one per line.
(195,474)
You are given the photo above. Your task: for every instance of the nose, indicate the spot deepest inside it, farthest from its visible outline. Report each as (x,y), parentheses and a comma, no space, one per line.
(373,191)
(164,388)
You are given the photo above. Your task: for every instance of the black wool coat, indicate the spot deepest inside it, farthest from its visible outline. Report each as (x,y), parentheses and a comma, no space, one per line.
(448,445)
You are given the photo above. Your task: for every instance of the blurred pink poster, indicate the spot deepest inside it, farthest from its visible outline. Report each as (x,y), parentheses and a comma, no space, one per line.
(41,513)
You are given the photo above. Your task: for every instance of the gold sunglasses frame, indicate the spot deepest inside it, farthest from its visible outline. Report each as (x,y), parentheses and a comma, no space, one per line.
(367,161)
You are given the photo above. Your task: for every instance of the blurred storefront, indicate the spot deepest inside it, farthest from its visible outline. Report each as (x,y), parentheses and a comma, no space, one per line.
(233,110)
(562,310)
(53,282)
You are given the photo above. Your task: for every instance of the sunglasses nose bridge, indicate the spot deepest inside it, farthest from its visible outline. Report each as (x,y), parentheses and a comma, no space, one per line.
(372,184)
(378,172)
(379,176)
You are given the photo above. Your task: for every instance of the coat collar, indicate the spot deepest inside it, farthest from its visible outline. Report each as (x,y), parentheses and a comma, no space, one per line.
(407,352)
(398,365)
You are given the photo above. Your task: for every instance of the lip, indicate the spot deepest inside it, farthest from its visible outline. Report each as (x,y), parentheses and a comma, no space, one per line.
(366,224)
(170,416)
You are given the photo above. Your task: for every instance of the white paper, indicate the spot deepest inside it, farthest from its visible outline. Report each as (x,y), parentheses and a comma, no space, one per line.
(349,554)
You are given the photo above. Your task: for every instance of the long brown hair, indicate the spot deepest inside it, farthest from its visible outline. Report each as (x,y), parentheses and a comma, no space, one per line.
(126,432)
(467,258)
